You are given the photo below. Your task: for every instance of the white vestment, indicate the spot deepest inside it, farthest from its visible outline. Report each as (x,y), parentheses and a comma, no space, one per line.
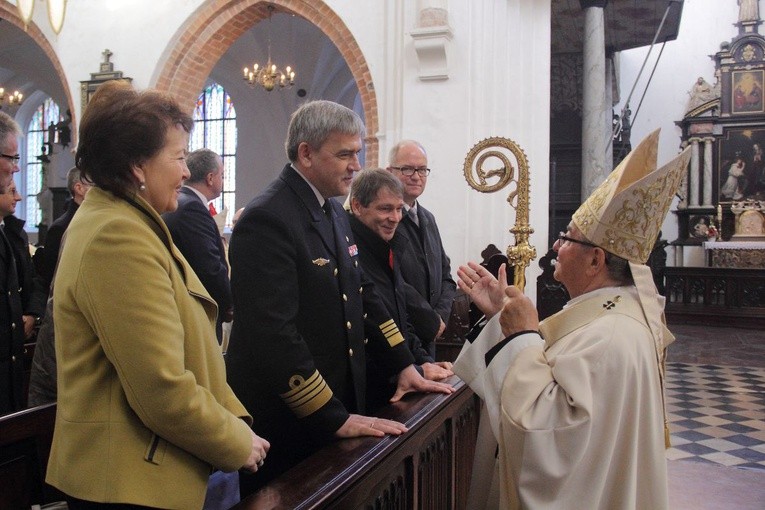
(578,416)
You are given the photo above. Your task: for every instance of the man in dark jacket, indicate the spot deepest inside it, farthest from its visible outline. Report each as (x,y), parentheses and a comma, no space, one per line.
(196,234)
(31,287)
(425,266)
(297,357)
(376,205)
(11,324)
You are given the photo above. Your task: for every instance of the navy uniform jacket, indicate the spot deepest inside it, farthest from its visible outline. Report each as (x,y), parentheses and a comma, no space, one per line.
(426,269)
(297,354)
(196,235)
(11,333)
(374,253)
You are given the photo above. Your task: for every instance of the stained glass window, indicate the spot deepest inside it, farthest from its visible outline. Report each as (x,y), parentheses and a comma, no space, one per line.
(215,129)
(41,135)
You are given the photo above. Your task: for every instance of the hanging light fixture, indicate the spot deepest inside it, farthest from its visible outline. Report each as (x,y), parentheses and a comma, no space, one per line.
(56,12)
(25,7)
(269,75)
(14,99)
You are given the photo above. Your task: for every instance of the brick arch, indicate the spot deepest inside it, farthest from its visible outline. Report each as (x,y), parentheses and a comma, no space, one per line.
(216,25)
(10,14)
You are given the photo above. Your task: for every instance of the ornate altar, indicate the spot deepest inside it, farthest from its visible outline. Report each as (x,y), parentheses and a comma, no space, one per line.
(720,213)
(736,254)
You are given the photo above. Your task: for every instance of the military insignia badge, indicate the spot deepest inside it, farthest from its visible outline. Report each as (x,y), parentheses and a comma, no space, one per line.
(320,262)
(353,250)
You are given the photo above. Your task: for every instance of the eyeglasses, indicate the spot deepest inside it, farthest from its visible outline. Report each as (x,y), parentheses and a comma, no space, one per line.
(563,239)
(410,170)
(14,159)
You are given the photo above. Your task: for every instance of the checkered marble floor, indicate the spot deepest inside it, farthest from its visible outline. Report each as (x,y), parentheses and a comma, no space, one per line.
(717,414)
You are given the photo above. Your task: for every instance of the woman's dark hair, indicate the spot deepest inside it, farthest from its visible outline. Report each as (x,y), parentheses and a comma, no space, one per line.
(122,128)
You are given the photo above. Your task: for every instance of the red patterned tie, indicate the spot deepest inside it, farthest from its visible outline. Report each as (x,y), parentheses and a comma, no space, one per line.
(390,258)
(213,212)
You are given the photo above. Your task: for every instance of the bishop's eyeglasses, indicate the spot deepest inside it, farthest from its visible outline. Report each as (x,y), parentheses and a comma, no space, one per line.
(563,239)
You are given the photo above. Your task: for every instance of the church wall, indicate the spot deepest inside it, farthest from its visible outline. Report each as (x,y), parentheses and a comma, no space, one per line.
(497,85)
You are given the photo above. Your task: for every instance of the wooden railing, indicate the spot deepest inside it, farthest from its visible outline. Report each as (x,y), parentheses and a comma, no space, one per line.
(428,467)
(712,295)
(25,439)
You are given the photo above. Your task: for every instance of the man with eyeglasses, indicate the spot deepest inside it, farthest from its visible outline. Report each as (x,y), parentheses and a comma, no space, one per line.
(305,312)
(424,265)
(11,309)
(576,403)
(9,150)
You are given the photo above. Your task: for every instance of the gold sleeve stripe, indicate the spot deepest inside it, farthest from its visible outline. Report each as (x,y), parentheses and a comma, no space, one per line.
(307,397)
(391,332)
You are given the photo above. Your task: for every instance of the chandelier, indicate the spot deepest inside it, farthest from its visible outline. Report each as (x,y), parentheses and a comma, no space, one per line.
(56,12)
(268,76)
(11,99)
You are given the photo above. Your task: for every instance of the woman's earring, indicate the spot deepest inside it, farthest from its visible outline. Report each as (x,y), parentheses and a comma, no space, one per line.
(142,186)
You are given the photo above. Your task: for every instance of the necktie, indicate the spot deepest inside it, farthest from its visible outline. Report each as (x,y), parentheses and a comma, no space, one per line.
(327,208)
(390,258)
(213,212)
(413,216)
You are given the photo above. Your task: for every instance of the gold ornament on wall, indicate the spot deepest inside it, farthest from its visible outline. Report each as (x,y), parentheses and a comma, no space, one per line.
(504,151)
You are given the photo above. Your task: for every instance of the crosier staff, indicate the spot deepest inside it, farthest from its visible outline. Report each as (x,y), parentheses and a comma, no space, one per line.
(521,254)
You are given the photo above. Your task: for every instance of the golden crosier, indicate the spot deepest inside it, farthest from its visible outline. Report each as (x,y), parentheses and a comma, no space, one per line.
(522,253)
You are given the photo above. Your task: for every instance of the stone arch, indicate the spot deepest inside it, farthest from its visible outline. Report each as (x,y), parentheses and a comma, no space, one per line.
(9,13)
(214,27)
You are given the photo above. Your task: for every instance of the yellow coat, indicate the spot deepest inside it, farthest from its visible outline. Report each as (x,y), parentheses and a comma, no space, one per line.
(144,410)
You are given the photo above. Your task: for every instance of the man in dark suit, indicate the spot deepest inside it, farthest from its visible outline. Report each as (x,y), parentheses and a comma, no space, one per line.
(298,345)
(77,188)
(376,204)
(196,234)
(11,323)
(32,290)
(425,266)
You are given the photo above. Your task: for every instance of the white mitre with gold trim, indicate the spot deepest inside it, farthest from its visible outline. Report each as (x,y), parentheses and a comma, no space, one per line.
(624,214)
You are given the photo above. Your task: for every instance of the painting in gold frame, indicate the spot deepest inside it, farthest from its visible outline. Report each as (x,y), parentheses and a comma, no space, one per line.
(746,92)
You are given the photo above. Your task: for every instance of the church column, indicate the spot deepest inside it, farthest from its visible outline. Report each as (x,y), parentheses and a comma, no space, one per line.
(595,168)
(679,259)
(683,191)
(693,192)
(707,196)
(609,90)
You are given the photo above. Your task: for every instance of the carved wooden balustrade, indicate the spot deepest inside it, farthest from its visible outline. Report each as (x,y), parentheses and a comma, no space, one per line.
(707,295)
(428,467)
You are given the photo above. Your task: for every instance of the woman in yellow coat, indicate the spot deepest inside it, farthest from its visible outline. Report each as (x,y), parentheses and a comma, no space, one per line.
(144,410)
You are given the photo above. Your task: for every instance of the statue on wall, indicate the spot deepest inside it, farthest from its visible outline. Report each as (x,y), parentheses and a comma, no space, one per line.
(64,131)
(748,10)
(701,92)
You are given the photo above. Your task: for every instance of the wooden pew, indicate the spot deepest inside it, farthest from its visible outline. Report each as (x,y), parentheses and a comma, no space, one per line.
(25,440)
(428,467)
